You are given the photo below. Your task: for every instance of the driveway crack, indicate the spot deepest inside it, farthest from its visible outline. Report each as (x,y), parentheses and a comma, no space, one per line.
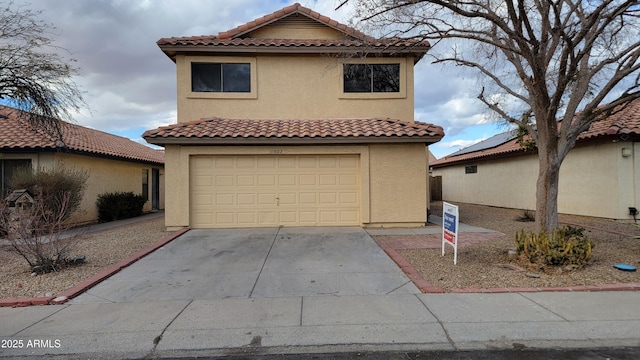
(157,339)
(264,263)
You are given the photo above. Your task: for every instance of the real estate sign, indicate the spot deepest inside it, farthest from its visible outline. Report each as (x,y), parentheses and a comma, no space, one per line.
(450,228)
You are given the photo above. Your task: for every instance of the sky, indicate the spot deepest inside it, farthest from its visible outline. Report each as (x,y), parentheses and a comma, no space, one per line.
(129,84)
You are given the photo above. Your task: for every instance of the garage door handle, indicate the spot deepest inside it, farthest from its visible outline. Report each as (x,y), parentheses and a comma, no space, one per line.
(277,201)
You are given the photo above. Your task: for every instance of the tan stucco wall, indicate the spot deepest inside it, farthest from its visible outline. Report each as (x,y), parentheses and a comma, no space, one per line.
(294,87)
(595,180)
(108,176)
(104,176)
(296,30)
(387,199)
(398,184)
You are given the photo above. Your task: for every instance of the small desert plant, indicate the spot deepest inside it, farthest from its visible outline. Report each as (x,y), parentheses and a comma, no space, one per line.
(564,246)
(119,205)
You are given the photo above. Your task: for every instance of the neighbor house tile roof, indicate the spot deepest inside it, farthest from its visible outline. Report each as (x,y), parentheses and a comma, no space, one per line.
(620,125)
(316,131)
(237,38)
(18,135)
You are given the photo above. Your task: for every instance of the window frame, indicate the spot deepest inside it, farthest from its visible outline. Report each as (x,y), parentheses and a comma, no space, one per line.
(471,169)
(145,184)
(4,177)
(371,77)
(221,77)
(187,81)
(404,81)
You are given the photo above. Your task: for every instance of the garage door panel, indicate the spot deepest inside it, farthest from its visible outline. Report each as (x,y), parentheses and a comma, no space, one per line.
(287,180)
(328,179)
(348,180)
(246,191)
(246,199)
(225,218)
(328,198)
(246,180)
(308,198)
(308,180)
(266,217)
(266,180)
(224,163)
(266,199)
(222,180)
(246,218)
(203,200)
(285,162)
(266,162)
(224,199)
(202,181)
(285,199)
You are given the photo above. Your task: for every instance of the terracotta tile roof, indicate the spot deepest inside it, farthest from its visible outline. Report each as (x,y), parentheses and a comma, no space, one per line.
(17,135)
(354,39)
(317,131)
(620,125)
(289,10)
(625,122)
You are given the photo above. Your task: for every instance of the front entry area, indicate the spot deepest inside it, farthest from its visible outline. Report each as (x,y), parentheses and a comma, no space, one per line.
(228,191)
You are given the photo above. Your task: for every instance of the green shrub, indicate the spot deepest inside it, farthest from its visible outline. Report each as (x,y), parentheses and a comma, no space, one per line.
(119,205)
(565,246)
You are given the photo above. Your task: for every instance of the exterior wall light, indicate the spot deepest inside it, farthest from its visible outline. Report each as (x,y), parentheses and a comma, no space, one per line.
(626,152)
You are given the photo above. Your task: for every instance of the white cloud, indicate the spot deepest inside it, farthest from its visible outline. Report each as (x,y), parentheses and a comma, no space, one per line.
(130,83)
(459,144)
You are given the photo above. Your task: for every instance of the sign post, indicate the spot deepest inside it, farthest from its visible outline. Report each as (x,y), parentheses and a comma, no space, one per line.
(450,228)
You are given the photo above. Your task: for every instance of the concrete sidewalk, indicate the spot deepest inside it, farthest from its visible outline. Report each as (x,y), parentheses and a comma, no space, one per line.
(324,324)
(264,322)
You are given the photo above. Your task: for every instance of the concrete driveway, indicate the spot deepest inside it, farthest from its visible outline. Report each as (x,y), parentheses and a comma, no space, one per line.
(257,263)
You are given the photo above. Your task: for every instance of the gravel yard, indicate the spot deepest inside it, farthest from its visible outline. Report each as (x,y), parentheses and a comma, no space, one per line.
(480,265)
(101,249)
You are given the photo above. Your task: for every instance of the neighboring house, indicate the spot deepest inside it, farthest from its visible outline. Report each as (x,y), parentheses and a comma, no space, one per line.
(114,163)
(600,177)
(294,119)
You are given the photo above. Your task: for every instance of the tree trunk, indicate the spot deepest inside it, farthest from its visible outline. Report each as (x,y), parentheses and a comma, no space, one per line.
(547,191)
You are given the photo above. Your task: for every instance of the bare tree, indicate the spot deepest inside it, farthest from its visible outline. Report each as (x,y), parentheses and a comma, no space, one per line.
(550,66)
(36,233)
(34,77)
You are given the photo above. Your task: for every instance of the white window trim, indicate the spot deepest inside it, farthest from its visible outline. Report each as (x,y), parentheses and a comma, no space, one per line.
(253,94)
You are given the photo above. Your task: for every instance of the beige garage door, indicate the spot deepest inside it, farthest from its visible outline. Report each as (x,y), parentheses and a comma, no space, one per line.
(279,190)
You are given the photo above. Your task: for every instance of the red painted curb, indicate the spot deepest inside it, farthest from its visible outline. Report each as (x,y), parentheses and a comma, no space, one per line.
(86,284)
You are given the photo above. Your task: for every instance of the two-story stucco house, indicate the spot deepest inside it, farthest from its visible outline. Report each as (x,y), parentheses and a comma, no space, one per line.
(294,119)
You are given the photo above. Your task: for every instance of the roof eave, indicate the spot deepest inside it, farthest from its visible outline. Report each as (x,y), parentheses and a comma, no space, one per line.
(418,52)
(292,141)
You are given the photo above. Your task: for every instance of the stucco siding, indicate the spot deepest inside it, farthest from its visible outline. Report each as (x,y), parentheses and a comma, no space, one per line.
(595,180)
(398,185)
(294,87)
(297,30)
(106,176)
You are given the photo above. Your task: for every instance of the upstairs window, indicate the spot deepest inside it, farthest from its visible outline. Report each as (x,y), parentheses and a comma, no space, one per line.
(367,78)
(220,77)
